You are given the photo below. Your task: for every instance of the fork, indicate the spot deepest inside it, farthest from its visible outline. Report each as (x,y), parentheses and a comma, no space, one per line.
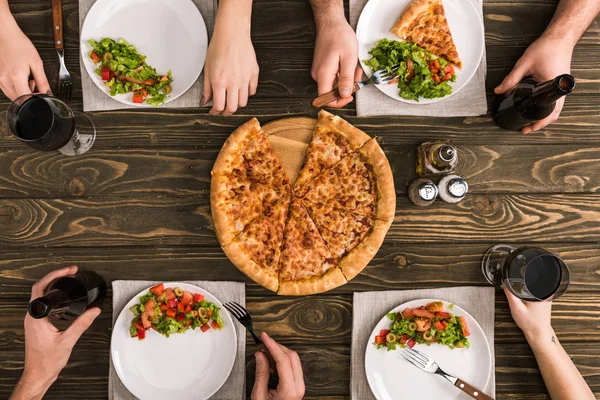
(65,81)
(427,364)
(383,75)
(244,317)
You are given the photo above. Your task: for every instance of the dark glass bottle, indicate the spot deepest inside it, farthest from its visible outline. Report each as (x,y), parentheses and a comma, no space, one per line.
(436,158)
(68,297)
(530,101)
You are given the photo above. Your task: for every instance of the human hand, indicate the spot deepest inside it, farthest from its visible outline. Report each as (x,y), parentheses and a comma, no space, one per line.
(18,60)
(47,350)
(335,59)
(231,70)
(545,59)
(289,369)
(534,318)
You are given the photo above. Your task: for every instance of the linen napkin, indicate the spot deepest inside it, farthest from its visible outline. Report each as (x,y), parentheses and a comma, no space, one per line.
(96,100)
(235,386)
(369,307)
(471,100)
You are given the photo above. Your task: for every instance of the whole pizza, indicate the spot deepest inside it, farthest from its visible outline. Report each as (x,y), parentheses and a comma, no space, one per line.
(308,236)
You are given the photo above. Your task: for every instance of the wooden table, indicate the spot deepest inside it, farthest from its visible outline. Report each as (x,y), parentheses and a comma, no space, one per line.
(137,205)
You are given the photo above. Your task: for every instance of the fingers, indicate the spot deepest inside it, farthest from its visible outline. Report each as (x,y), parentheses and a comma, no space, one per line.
(219,97)
(513,78)
(298,373)
(232,102)
(552,118)
(39,287)
(243,97)
(284,367)
(80,325)
(346,77)
(253,85)
(21,86)
(39,76)
(514,302)
(261,380)
(206,92)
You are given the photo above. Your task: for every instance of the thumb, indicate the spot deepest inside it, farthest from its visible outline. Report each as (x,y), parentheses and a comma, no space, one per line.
(41,82)
(346,78)
(206,92)
(80,325)
(513,78)
(261,381)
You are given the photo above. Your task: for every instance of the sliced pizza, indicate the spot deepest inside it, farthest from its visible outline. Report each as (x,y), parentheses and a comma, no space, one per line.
(307,265)
(361,183)
(247,177)
(424,23)
(333,139)
(256,250)
(352,239)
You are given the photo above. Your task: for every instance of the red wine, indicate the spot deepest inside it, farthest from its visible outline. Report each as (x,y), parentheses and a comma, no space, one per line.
(530,101)
(69,297)
(533,272)
(44,124)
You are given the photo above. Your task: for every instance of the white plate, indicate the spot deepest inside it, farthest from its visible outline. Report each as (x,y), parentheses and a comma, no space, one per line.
(379,16)
(193,365)
(392,377)
(171,33)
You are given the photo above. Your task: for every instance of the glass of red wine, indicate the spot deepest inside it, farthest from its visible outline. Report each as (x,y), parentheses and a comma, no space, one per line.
(46,123)
(530,273)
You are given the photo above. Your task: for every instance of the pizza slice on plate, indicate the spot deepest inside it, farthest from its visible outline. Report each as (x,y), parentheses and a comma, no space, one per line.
(361,183)
(333,139)
(424,23)
(246,178)
(307,265)
(257,249)
(352,239)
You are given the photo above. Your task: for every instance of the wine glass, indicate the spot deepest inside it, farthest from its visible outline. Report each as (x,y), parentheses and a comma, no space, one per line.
(47,123)
(530,273)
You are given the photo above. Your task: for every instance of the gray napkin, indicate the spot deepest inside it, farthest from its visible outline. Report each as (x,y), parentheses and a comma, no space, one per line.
(471,100)
(369,307)
(235,386)
(96,100)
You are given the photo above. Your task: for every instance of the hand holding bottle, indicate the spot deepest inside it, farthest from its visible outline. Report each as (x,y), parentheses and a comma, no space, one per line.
(47,350)
(545,59)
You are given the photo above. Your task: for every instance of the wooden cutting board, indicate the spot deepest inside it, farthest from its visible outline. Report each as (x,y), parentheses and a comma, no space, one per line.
(290,138)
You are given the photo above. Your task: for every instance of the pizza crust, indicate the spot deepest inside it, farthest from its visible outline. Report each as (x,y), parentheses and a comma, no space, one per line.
(412,11)
(302,287)
(333,122)
(360,256)
(386,203)
(225,234)
(240,259)
(231,146)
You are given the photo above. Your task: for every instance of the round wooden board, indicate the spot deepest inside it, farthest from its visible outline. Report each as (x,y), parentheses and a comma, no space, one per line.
(290,138)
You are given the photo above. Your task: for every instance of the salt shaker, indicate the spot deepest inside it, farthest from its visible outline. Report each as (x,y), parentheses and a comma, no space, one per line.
(452,188)
(422,192)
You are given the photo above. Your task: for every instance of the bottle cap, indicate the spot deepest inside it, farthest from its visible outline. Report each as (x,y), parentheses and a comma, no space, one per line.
(39,308)
(428,191)
(458,187)
(447,153)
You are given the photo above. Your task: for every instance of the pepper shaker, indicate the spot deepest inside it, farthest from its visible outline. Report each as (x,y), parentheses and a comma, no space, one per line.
(422,192)
(452,188)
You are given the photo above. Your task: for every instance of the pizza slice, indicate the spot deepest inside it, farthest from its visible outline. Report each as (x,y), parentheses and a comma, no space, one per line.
(424,23)
(247,177)
(307,265)
(256,250)
(361,183)
(352,239)
(333,138)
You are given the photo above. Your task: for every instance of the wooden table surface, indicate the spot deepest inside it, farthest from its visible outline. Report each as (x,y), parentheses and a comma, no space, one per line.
(137,205)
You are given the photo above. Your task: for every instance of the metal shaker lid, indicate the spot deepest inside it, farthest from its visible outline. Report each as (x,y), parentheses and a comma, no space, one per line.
(458,187)
(428,191)
(447,153)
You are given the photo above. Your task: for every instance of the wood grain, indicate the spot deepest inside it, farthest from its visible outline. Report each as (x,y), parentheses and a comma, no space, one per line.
(136,205)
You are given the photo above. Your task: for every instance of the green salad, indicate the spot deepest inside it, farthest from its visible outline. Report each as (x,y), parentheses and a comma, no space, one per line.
(425,325)
(421,74)
(173,310)
(124,70)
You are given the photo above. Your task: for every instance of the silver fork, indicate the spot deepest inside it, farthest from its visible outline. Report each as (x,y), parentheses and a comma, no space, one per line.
(383,75)
(65,81)
(427,364)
